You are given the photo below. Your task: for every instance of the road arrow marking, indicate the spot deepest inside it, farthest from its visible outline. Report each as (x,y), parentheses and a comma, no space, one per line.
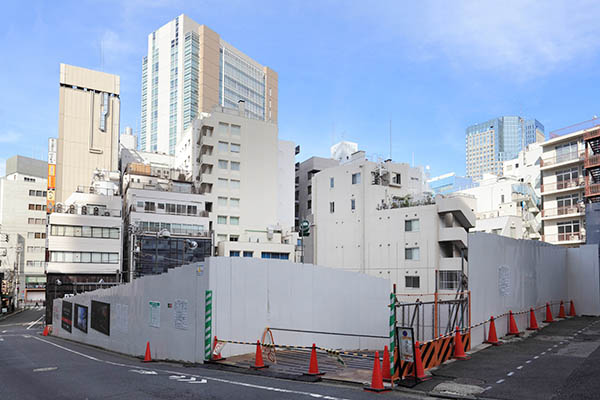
(143,372)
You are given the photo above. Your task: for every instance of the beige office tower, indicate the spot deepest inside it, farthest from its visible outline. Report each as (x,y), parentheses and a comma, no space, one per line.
(88,127)
(189,69)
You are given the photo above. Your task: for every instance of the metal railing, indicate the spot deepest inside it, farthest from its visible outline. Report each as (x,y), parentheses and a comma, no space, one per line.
(591,160)
(561,158)
(592,189)
(595,133)
(566,210)
(559,185)
(564,237)
(576,127)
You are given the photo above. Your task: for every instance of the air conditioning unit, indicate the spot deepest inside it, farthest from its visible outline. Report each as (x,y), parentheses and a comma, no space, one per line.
(107,213)
(96,211)
(72,209)
(91,189)
(84,210)
(59,207)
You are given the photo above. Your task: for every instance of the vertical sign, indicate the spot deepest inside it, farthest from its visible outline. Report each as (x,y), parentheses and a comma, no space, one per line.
(406,344)
(154,314)
(392,331)
(51,193)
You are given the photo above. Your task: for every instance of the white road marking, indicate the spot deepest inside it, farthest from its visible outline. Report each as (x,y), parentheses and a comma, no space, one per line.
(549,349)
(114,363)
(45,369)
(1,340)
(177,377)
(555,345)
(510,373)
(500,381)
(35,322)
(143,372)
(561,343)
(542,353)
(536,357)
(4,331)
(520,367)
(528,362)
(487,388)
(250,385)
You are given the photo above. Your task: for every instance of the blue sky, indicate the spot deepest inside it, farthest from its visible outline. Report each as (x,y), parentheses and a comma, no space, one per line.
(345,68)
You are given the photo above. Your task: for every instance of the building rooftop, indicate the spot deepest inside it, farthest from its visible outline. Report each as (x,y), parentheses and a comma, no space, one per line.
(27,166)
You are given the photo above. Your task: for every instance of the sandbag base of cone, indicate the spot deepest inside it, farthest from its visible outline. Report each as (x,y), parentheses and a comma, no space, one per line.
(370,389)
(261,367)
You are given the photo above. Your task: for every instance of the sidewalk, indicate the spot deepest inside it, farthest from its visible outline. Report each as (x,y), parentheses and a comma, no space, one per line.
(562,360)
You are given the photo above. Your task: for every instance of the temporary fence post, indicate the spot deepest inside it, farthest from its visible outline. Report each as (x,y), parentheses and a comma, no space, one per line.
(392,328)
(435,318)
(207,325)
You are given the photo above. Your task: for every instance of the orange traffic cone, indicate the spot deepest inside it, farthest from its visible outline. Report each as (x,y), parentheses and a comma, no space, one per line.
(385,368)
(572,310)
(313,368)
(533,325)
(419,371)
(512,325)
(46,331)
(492,337)
(561,311)
(548,314)
(216,357)
(377,378)
(459,351)
(147,357)
(258,360)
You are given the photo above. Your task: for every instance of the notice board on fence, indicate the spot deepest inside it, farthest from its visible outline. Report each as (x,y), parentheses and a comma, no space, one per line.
(66,319)
(81,317)
(101,317)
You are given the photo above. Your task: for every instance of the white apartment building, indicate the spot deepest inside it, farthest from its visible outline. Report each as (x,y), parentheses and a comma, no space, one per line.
(23,219)
(506,206)
(166,221)
(563,186)
(376,218)
(190,69)
(526,167)
(246,174)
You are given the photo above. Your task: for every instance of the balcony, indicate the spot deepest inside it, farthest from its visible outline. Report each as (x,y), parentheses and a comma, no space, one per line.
(562,185)
(206,158)
(568,211)
(565,238)
(593,134)
(207,178)
(592,189)
(592,160)
(562,159)
(456,235)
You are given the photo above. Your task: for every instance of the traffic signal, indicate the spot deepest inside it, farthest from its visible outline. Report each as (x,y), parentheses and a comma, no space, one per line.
(304,228)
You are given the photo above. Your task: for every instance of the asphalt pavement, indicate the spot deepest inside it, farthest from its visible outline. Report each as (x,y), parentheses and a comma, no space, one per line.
(561,361)
(37,367)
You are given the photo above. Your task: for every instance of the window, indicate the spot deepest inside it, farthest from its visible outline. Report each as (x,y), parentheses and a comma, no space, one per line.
(140,204)
(308,204)
(234,203)
(234,220)
(235,184)
(235,166)
(449,280)
(352,204)
(223,147)
(397,179)
(31,220)
(38,193)
(161,206)
(277,256)
(412,282)
(356,178)
(332,207)
(221,238)
(235,148)
(234,253)
(222,182)
(222,201)
(223,164)
(222,220)
(501,198)
(236,130)
(149,206)
(412,253)
(32,192)
(32,206)
(309,189)
(192,210)
(331,182)
(568,230)
(234,238)
(223,128)
(411,225)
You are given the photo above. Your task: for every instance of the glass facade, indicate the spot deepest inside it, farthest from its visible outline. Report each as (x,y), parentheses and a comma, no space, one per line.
(191,63)
(173,90)
(240,80)
(154,100)
(144,103)
(156,256)
(490,143)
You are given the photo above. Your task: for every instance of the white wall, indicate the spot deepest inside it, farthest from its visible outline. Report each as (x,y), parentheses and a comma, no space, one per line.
(286,172)
(507,274)
(248,295)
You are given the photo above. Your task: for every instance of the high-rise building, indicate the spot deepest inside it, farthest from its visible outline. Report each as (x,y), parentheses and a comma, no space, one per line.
(88,127)
(23,227)
(189,69)
(489,144)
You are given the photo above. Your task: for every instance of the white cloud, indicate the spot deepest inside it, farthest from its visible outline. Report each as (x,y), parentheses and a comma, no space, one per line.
(522,38)
(9,137)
